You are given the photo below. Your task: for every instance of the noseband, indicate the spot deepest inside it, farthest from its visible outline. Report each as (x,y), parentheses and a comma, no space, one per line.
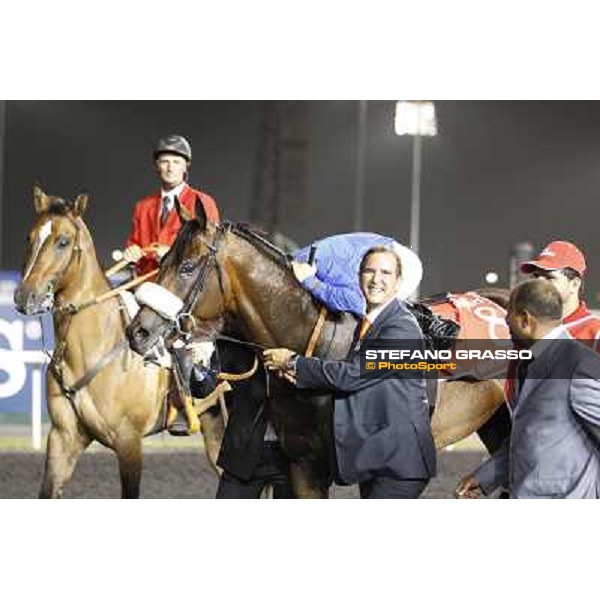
(51,287)
(169,306)
(185,314)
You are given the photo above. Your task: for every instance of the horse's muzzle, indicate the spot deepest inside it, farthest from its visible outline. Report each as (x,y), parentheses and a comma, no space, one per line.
(145,330)
(29,302)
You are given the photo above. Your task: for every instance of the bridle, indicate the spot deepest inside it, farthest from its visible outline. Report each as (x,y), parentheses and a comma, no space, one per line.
(56,359)
(51,286)
(185,313)
(184,320)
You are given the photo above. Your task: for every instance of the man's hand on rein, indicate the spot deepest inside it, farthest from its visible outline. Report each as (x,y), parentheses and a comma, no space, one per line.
(278,358)
(133,253)
(160,249)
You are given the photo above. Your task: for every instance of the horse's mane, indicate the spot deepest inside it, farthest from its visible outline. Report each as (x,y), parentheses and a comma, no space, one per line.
(258,240)
(184,237)
(253,236)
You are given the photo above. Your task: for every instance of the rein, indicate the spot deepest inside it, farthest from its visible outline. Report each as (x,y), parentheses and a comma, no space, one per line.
(185,312)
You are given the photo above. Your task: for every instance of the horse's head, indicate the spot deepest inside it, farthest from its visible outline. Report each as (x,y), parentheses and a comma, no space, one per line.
(190,280)
(53,248)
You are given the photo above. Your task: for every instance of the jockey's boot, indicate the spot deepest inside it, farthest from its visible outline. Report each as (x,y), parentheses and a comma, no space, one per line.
(191,415)
(185,421)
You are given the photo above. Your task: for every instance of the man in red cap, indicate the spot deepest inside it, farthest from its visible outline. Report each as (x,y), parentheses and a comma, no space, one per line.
(562,264)
(154,220)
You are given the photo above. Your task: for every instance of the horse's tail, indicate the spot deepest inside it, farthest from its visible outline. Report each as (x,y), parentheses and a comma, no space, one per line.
(498,295)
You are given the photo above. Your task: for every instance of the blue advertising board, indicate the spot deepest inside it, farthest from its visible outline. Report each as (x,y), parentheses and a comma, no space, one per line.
(21,341)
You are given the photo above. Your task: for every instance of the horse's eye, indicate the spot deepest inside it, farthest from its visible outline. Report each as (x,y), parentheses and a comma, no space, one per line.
(187,268)
(63,241)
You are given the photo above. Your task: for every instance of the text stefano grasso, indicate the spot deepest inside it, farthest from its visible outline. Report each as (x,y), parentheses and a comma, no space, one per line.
(443,355)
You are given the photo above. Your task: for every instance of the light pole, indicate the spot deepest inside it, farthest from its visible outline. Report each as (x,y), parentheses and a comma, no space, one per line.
(415,118)
(361,144)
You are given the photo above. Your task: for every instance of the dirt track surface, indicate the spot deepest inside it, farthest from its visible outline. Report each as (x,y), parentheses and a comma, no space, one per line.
(178,474)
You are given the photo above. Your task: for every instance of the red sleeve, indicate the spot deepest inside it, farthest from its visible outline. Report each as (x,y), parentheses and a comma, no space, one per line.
(134,234)
(210,207)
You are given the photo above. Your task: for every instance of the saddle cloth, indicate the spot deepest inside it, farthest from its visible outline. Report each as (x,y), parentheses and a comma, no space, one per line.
(481,323)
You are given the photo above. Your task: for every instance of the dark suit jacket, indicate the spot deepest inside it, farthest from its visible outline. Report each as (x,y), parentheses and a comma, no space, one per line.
(248,413)
(552,452)
(380,426)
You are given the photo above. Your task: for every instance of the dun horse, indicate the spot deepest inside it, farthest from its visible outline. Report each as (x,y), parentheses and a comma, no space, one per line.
(118,398)
(228,272)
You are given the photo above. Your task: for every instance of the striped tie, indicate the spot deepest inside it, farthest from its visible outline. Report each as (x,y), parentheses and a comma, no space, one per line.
(166,209)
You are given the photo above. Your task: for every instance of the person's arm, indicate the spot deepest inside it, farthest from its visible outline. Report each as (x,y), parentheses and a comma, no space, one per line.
(345,376)
(134,234)
(338,297)
(210,207)
(494,471)
(133,252)
(584,395)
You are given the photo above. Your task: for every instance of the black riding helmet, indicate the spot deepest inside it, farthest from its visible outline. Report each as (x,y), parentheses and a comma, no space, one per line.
(174,144)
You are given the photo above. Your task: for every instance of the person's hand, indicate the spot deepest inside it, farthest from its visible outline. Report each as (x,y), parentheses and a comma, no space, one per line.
(468,488)
(277,358)
(303,270)
(160,249)
(133,253)
(201,352)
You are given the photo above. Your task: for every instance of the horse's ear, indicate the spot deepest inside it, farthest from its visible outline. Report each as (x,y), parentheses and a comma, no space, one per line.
(40,200)
(80,204)
(200,213)
(183,212)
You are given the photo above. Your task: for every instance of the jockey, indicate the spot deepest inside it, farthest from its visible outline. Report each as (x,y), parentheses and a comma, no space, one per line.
(154,221)
(333,279)
(156,224)
(563,264)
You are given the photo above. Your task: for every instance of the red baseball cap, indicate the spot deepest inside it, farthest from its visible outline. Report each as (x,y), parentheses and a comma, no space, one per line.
(557,255)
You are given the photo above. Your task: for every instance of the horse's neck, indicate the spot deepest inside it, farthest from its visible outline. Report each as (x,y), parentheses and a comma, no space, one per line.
(93,328)
(271,306)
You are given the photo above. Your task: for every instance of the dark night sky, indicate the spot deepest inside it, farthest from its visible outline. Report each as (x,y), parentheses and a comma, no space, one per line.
(497,173)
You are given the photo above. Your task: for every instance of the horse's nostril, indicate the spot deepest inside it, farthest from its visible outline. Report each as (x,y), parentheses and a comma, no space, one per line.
(140,334)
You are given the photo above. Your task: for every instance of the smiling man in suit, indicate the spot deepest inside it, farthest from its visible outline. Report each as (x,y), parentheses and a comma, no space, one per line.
(381,426)
(553,448)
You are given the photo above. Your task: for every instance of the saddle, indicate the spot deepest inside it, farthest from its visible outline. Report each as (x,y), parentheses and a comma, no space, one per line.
(439,333)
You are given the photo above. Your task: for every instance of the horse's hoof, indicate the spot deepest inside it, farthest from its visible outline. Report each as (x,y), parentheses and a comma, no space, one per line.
(179,429)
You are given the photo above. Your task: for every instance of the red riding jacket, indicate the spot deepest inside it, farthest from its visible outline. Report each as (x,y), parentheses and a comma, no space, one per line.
(146,228)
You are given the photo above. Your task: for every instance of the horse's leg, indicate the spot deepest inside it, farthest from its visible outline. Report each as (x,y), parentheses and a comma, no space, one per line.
(463,407)
(129,452)
(64,447)
(213,428)
(305,481)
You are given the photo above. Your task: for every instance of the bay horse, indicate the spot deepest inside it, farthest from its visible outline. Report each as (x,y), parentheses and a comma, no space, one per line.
(228,272)
(124,398)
